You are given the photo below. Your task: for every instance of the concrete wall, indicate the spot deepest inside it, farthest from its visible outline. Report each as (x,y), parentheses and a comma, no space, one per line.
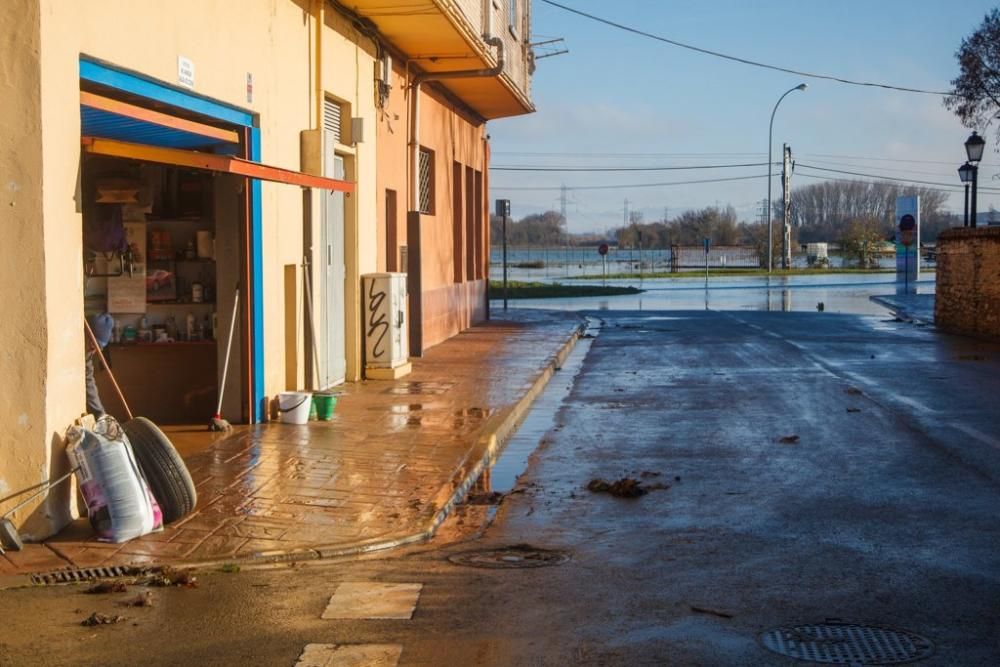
(42,42)
(28,431)
(967,297)
(451,301)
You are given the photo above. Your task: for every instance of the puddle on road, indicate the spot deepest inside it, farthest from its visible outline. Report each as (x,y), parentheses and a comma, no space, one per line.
(513,459)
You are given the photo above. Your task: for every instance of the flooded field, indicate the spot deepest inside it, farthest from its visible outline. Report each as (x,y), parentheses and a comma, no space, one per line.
(839,293)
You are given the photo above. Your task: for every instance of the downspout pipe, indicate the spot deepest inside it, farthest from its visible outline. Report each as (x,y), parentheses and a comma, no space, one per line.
(418,80)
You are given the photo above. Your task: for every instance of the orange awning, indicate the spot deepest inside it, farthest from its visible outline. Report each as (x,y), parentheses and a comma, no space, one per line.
(211,162)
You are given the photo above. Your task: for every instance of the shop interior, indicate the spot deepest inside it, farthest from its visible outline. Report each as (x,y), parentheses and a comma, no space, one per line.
(162,256)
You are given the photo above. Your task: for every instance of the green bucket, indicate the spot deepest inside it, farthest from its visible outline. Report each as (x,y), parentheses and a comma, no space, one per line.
(324,404)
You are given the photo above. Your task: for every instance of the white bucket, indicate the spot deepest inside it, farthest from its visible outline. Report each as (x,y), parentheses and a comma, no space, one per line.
(294,406)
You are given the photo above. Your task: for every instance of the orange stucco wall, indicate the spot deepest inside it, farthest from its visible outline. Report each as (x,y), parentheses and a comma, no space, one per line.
(451,300)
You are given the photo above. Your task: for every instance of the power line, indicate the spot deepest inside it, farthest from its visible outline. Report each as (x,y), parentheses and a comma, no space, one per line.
(839,163)
(884,159)
(557,168)
(493,186)
(888,178)
(622,155)
(946,189)
(745,61)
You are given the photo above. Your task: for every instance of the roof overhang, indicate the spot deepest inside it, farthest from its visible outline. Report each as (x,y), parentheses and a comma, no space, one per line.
(439,38)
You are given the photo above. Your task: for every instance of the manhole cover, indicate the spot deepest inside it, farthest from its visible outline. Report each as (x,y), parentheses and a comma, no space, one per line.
(840,643)
(515,557)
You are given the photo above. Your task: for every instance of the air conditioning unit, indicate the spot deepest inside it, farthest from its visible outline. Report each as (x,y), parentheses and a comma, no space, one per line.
(385,326)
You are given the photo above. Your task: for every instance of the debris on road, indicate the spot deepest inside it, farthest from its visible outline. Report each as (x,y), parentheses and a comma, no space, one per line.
(102,587)
(626,487)
(853,391)
(788,439)
(169,576)
(101,619)
(710,612)
(489,498)
(854,409)
(649,473)
(141,600)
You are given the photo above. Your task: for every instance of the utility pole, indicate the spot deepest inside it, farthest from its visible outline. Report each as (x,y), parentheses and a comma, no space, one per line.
(562,204)
(786,215)
(565,222)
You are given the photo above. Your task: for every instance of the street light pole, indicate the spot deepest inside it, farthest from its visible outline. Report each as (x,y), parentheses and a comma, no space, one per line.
(770,168)
(966,205)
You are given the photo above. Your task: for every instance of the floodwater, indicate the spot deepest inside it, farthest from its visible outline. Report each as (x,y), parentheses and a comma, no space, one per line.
(838,293)
(513,459)
(563,264)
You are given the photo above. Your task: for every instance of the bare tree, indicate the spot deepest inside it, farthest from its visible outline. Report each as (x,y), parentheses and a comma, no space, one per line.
(823,211)
(976,95)
(861,241)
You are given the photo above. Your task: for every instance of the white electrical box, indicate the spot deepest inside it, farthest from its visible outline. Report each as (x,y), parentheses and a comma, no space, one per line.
(385,326)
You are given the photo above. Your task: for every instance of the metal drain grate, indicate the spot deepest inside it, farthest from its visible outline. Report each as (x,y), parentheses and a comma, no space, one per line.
(519,556)
(841,643)
(76,575)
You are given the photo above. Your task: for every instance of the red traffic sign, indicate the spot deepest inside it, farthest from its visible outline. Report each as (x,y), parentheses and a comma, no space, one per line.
(603,249)
(907,227)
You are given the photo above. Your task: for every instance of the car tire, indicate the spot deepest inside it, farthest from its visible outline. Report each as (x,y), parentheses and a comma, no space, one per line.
(163,468)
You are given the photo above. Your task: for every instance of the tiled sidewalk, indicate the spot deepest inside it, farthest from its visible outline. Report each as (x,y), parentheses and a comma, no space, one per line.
(381,473)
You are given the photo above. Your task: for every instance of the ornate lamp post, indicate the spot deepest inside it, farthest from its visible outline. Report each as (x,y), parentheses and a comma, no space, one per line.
(974,150)
(965,173)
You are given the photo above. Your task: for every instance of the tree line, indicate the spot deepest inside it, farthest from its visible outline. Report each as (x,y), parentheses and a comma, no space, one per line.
(831,211)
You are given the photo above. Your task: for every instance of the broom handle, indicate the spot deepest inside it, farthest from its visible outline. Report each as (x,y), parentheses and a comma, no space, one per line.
(114,383)
(229,347)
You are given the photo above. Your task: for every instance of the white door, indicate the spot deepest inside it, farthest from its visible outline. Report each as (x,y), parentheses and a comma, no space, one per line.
(335,363)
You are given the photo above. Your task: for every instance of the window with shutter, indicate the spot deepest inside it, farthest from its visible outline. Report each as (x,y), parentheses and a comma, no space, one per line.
(426,181)
(331,119)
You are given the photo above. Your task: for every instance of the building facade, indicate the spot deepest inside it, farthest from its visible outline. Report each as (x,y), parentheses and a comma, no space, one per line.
(258,163)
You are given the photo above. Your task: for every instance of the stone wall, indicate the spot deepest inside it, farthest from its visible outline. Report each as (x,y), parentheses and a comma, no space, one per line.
(968,281)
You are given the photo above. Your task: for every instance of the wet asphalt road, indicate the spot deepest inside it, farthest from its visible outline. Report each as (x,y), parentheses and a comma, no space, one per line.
(885,510)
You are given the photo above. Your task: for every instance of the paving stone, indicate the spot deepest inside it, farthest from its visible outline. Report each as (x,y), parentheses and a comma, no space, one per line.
(350,655)
(369,600)
(375,470)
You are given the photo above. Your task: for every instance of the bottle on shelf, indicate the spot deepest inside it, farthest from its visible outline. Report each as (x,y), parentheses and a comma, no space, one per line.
(190,328)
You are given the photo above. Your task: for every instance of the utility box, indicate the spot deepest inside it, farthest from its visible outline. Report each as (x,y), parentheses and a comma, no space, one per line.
(385,326)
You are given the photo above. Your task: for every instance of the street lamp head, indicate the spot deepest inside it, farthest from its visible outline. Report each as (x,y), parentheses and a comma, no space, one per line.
(974,147)
(802,86)
(965,172)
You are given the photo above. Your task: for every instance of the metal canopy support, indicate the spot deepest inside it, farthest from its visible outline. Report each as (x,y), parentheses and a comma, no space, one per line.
(211,162)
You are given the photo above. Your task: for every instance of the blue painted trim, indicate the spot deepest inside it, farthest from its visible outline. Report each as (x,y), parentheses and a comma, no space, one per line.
(257,276)
(148,88)
(100,123)
(155,90)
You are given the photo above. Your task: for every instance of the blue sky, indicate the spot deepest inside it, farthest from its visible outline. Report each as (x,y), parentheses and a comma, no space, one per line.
(616,93)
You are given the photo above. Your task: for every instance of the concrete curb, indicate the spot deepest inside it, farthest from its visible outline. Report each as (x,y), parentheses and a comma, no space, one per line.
(486,450)
(480,456)
(899,310)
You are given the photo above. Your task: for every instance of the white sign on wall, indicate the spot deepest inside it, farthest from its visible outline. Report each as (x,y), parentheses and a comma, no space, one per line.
(127,293)
(185,71)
